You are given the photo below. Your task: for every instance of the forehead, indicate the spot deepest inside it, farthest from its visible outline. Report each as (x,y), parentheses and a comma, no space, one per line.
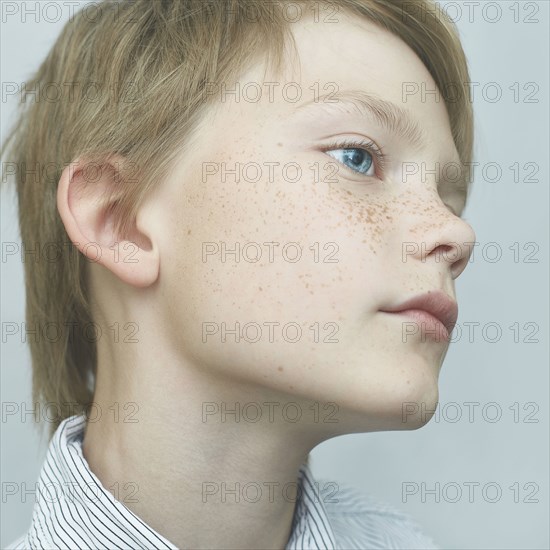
(354,54)
(353,61)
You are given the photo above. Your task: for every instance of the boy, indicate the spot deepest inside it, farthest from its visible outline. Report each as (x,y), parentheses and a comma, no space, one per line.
(262,262)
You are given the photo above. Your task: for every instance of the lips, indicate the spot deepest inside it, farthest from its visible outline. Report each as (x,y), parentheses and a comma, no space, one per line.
(436,303)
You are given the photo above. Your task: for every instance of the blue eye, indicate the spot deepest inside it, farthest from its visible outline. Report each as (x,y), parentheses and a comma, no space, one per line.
(356,159)
(362,156)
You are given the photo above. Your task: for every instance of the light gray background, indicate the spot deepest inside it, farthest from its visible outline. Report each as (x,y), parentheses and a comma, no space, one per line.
(503,291)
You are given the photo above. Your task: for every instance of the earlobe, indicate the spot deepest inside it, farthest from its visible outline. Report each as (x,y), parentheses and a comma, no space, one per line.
(88,220)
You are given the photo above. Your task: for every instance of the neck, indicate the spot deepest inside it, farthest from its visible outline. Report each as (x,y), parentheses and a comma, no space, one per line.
(200,475)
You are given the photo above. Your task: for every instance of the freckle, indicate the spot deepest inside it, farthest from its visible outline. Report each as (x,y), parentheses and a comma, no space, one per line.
(279,144)
(260,288)
(189,231)
(280,369)
(408,381)
(290,387)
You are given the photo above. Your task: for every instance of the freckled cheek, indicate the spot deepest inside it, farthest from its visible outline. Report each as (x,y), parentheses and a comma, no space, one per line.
(333,281)
(363,219)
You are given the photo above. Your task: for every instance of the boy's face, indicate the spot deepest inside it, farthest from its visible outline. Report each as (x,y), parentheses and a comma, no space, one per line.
(310,318)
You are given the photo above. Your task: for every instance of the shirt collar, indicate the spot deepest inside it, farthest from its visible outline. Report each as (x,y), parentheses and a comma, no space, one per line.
(72,494)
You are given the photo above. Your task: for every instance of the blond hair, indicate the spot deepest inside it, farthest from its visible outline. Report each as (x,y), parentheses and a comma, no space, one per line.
(151,61)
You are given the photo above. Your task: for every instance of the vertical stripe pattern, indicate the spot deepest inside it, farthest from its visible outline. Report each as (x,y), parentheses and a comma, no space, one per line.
(74,511)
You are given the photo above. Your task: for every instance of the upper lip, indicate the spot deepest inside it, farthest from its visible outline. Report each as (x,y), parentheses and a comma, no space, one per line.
(436,303)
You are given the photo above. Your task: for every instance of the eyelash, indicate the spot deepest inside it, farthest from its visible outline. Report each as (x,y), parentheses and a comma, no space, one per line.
(381,158)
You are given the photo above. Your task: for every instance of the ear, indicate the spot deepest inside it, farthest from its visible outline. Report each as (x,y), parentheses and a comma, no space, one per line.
(89,223)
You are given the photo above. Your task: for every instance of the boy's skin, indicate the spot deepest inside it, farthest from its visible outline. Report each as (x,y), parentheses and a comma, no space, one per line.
(172,375)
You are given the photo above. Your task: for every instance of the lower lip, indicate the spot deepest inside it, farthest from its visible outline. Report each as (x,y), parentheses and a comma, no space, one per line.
(430,326)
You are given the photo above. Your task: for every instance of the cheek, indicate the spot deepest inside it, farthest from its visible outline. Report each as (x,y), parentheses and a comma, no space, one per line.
(274,250)
(298,270)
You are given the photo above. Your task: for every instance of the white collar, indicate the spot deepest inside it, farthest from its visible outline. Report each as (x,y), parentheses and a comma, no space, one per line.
(72,505)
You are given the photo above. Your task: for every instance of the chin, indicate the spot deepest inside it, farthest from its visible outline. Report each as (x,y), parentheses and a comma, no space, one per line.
(398,402)
(394,408)
(414,403)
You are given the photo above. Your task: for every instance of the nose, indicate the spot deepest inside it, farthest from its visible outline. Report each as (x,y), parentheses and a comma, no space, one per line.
(439,235)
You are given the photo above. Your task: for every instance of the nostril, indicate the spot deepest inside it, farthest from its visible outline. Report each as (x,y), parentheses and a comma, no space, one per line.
(445,253)
(459,266)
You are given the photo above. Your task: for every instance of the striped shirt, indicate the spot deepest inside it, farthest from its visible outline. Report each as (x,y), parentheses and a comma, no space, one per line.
(74,510)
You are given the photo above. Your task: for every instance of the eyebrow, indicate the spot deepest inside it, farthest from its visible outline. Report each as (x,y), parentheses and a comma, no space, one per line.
(395,119)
